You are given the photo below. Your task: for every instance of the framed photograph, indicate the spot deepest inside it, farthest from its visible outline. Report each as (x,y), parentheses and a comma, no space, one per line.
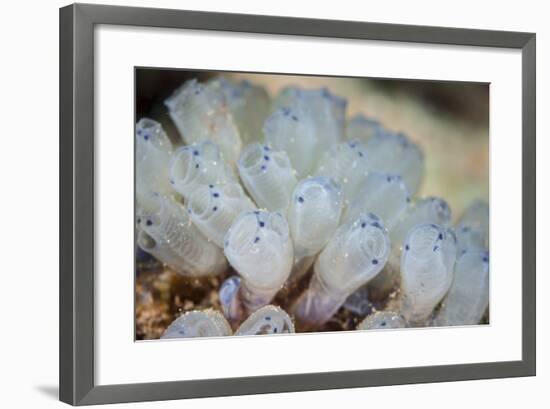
(254,204)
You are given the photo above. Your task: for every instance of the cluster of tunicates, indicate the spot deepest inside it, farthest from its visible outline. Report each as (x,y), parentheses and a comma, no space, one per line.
(268,193)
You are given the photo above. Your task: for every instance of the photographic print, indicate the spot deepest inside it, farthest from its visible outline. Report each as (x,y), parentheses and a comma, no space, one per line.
(277,204)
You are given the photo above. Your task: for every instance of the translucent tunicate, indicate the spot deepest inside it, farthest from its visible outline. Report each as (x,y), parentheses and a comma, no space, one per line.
(197,165)
(362,128)
(259,247)
(166,232)
(267,176)
(382,320)
(213,209)
(427,264)
(472,229)
(229,299)
(393,153)
(249,105)
(200,112)
(267,320)
(325,112)
(314,214)
(428,210)
(384,195)
(194,324)
(153,150)
(347,164)
(354,255)
(468,297)
(290,130)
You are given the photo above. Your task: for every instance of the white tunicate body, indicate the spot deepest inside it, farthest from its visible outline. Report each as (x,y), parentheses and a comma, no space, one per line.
(468,297)
(166,232)
(259,247)
(213,209)
(382,320)
(268,177)
(427,264)
(194,324)
(362,128)
(249,105)
(314,214)
(353,256)
(288,129)
(428,210)
(472,229)
(393,153)
(347,164)
(382,194)
(153,151)
(267,320)
(200,112)
(325,112)
(229,298)
(200,164)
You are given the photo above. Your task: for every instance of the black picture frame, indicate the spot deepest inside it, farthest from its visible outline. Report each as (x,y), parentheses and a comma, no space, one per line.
(76,283)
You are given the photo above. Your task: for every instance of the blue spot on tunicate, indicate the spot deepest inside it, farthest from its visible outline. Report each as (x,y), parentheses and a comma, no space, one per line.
(286,111)
(268,318)
(172,181)
(196,153)
(263,167)
(139,131)
(149,223)
(257,239)
(363,225)
(301,199)
(262,224)
(485,259)
(433,225)
(408,199)
(374,261)
(275,330)
(215,208)
(266,157)
(388,178)
(139,220)
(256,212)
(216,195)
(197,166)
(352,145)
(294,118)
(210,186)
(266,148)
(360,154)
(146,137)
(376,224)
(465,229)
(436,248)
(440,237)
(407,247)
